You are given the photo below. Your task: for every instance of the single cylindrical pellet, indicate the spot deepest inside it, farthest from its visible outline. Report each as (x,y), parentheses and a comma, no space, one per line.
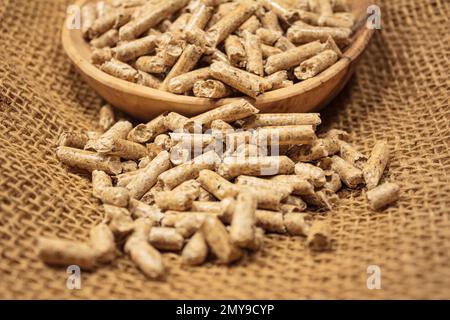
(337,21)
(383,195)
(299,184)
(148,80)
(219,241)
(171,50)
(292,57)
(256,166)
(205,195)
(374,168)
(351,176)
(269,51)
(252,45)
(248,150)
(127,150)
(251,25)
(311,173)
(102,241)
(100,56)
(143,182)
(297,224)
(115,196)
(106,117)
(286,135)
(105,142)
(112,19)
(191,141)
(283,12)
(296,204)
(119,221)
(145,256)
(320,148)
(177,175)
(151,64)
(221,125)
(351,155)
(135,49)
(234,111)
(89,161)
(140,209)
(174,200)
(100,181)
(299,34)
(215,55)
(187,61)
(150,18)
(76,140)
(175,122)
(270,221)
(270,21)
(108,39)
(163,238)
(147,132)
(242,231)
(164,142)
(245,82)
(334,182)
(284,44)
(331,45)
(185,82)
(120,70)
(258,183)
(196,250)
(230,22)
(216,185)
(181,23)
(122,180)
(221,10)
(200,17)
(129,166)
(267,199)
(267,36)
(288,119)
(211,89)
(207,206)
(88,17)
(190,222)
(235,51)
(278,79)
(315,65)
(319,237)
(65,253)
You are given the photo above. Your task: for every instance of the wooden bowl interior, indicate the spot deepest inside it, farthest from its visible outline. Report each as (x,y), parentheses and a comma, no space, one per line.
(146,103)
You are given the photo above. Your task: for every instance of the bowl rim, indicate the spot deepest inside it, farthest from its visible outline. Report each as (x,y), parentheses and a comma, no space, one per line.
(361,38)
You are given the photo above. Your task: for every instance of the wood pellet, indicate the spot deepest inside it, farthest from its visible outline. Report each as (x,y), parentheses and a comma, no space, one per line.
(220,203)
(176,45)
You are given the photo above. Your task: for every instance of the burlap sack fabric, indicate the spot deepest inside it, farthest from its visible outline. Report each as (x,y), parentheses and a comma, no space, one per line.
(400,92)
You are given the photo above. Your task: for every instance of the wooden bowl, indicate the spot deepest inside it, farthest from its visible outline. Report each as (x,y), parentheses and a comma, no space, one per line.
(146,103)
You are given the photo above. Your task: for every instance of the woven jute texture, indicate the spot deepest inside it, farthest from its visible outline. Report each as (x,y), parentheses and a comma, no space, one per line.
(400,92)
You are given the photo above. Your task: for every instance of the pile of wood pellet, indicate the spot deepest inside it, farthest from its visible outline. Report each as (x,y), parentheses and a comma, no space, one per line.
(216,48)
(212,185)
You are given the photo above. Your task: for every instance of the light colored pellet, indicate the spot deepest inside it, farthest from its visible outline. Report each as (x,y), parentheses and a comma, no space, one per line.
(383,195)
